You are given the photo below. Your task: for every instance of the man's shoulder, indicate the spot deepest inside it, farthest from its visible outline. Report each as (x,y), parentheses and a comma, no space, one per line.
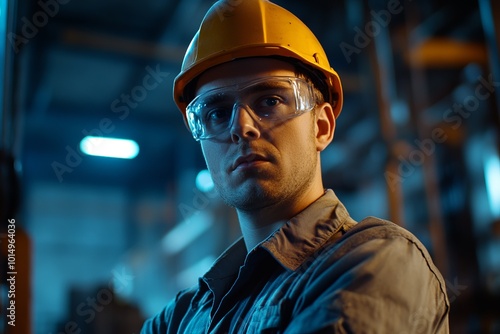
(377,236)
(383,242)
(372,228)
(378,243)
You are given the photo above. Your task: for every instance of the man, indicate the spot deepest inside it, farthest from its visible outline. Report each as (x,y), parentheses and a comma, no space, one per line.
(257,91)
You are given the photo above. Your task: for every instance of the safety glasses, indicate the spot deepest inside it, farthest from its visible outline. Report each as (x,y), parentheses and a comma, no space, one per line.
(269,100)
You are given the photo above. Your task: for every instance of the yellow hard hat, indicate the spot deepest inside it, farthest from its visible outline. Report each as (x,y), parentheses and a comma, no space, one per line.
(253,28)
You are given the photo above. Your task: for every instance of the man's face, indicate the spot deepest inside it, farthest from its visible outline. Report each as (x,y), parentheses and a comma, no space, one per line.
(254,166)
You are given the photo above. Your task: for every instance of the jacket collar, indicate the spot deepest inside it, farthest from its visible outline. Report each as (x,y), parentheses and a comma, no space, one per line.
(293,243)
(307,232)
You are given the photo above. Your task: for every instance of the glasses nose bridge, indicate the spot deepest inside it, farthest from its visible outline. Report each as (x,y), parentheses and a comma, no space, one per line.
(244,122)
(237,111)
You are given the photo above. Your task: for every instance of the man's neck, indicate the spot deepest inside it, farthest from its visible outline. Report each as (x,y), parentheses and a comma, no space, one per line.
(254,234)
(258,226)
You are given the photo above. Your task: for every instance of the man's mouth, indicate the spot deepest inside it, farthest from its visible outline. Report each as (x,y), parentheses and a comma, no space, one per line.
(248,160)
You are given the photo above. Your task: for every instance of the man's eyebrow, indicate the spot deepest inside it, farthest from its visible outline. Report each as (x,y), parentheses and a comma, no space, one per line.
(217,96)
(267,85)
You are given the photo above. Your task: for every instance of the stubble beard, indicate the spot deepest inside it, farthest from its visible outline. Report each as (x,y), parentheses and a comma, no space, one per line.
(271,190)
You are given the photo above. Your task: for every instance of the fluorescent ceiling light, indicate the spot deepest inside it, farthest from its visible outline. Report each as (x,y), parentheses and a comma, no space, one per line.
(109,147)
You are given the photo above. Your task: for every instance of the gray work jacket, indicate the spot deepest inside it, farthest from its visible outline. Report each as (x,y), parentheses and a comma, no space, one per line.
(320,273)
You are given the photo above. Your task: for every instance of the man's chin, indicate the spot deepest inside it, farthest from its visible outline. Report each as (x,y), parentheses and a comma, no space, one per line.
(249,196)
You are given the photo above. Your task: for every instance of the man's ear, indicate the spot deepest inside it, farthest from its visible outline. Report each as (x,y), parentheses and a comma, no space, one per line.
(325,125)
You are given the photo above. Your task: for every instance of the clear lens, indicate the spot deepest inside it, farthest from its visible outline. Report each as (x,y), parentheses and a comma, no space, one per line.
(270,100)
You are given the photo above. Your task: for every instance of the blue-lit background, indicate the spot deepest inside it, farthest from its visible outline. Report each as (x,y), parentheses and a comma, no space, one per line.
(110,240)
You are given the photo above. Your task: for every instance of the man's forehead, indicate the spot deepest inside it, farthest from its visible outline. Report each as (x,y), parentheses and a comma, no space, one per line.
(242,70)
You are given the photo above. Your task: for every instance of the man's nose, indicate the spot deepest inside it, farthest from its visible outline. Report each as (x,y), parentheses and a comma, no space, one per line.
(244,125)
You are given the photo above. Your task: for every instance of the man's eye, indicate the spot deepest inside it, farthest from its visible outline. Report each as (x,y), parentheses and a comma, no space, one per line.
(218,115)
(270,102)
